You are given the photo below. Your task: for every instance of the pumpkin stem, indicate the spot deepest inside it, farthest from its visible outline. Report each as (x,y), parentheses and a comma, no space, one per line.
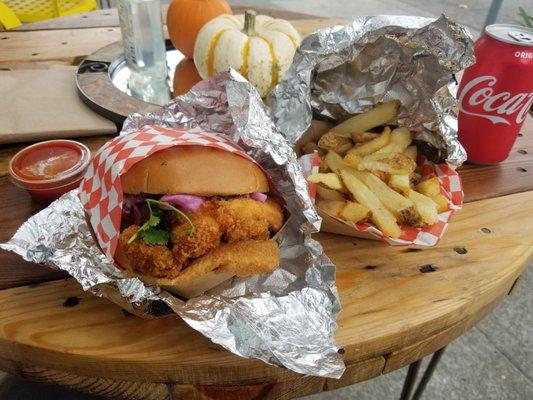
(249,22)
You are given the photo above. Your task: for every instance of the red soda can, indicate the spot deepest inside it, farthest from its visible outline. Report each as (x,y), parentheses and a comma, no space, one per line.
(496,93)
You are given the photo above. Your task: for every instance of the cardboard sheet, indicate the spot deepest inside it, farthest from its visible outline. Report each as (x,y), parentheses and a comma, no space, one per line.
(44,104)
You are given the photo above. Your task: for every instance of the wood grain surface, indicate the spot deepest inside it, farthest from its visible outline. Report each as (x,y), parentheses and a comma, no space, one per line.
(141,390)
(72,45)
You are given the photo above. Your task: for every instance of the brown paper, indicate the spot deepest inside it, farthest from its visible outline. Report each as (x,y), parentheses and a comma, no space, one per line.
(44,104)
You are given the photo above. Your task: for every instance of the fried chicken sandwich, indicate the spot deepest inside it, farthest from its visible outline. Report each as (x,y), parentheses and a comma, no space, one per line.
(194,216)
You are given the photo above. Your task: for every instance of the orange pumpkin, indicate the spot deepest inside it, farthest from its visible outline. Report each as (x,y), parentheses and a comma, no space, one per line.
(186,17)
(185,77)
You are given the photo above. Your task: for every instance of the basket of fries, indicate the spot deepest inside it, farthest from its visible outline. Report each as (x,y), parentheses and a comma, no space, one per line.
(368,179)
(370,110)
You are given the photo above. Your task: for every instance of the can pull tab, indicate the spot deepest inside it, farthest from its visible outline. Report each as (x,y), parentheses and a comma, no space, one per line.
(521,37)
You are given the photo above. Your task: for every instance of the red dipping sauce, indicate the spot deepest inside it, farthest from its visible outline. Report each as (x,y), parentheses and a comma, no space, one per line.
(49,169)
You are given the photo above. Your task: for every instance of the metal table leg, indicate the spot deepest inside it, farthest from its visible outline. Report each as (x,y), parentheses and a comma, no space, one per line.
(493,12)
(412,373)
(410,379)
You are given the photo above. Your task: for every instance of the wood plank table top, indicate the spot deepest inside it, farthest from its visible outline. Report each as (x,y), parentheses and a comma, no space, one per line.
(398,303)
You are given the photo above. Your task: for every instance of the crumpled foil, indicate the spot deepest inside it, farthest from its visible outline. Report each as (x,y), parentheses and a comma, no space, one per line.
(344,70)
(286,318)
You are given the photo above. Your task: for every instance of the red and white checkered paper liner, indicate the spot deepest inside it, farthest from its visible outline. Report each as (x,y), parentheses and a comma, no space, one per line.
(451,188)
(101,189)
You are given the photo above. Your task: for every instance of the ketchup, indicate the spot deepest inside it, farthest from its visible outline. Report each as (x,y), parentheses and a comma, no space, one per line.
(49,169)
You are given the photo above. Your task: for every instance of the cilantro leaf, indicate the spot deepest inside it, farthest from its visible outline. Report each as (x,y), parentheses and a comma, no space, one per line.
(148,231)
(155,236)
(178,212)
(154,220)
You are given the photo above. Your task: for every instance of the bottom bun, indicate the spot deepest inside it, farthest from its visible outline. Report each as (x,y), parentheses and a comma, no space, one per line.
(245,258)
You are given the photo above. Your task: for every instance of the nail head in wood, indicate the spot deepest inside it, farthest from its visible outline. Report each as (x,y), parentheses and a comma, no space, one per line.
(427,268)
(460,250)
(71,301)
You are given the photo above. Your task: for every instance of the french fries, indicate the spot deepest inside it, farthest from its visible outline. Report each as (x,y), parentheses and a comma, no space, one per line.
(429,187)
(402,208)
(332,207)
(330,179)
(354,212)
(331,141)
(391,163)
(352,160)
(334,161)
(442,203)
(411,152)
(382,217)
(426,207)
(347,210)
(372,145)
(400,183)
(323,168)
(362,137)
(376,116)
(414,178)
(381,175)
(324,193)
(368,176)
(399,141)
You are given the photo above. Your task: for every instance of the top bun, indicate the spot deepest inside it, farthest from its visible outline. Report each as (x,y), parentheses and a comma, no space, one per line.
(200,170)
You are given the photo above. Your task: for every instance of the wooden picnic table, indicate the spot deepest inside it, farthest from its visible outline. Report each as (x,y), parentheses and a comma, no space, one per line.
(399,304)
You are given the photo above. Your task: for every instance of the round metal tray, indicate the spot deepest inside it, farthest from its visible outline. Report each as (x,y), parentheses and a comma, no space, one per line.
(102,81)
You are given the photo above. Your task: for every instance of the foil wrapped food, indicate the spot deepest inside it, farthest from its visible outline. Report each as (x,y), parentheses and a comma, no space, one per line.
(344,70)
(286,318)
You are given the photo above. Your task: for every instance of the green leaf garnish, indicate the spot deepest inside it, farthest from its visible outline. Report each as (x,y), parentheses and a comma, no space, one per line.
(153,236)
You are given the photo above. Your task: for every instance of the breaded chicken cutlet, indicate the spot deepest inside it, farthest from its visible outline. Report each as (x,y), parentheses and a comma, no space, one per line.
(219,225)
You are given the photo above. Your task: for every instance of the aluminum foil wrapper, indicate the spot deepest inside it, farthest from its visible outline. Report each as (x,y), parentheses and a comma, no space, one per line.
(286,318)
(344,70)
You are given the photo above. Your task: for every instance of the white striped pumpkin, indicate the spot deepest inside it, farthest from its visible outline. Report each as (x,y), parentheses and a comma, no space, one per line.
(259,47)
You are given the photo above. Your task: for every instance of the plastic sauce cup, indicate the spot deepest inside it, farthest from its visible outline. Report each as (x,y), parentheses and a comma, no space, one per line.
(49,169)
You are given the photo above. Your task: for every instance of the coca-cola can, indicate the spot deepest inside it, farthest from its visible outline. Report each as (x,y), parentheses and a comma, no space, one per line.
(496,93)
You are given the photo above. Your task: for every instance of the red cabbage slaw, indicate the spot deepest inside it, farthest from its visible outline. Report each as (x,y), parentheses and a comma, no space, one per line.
(185,202)
(257,196)
(135,211)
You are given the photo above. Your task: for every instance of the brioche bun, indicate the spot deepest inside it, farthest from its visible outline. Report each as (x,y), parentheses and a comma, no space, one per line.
(199,170)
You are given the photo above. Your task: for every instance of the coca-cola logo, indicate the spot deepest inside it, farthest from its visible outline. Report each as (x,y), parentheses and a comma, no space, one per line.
(479,95)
